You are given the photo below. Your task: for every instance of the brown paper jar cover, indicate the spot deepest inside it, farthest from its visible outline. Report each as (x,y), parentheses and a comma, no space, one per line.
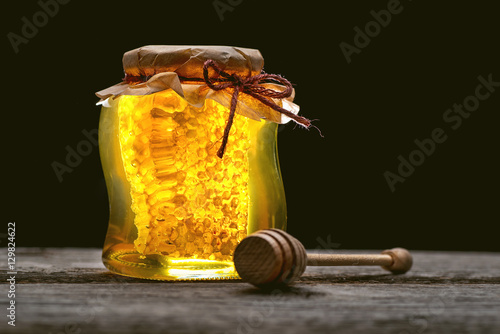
(187,61)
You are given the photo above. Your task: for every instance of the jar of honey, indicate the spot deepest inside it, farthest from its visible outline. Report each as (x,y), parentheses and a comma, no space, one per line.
(178,208)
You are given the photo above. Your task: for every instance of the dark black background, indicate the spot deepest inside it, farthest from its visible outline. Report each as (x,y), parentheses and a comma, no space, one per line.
(370,111)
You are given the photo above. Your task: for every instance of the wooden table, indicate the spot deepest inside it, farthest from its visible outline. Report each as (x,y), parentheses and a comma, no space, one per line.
(61,290)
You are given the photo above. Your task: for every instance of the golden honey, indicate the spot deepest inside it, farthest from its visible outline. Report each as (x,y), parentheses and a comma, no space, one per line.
(177,211)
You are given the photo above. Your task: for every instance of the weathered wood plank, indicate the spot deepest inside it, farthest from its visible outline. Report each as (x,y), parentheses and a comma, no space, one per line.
(69,291)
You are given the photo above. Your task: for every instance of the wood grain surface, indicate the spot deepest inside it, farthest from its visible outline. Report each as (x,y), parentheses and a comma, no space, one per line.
(63,290)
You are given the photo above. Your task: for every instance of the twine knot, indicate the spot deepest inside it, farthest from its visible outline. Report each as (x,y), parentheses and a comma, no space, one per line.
(250,86)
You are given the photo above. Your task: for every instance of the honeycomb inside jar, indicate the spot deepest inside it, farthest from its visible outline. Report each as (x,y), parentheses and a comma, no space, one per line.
(177,211)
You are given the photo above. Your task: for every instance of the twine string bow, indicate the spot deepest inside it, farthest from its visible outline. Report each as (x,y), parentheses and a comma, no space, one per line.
(250,86)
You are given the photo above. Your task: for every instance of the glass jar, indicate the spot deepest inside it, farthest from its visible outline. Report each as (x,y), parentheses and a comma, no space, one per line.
(177,210)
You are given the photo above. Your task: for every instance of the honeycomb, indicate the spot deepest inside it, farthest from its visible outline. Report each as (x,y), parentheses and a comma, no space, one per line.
(188,203)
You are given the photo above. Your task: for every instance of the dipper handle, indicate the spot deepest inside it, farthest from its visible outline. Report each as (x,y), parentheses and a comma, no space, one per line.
(396,260)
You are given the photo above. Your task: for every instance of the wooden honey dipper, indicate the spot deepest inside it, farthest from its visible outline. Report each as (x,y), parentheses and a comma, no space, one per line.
(272,257)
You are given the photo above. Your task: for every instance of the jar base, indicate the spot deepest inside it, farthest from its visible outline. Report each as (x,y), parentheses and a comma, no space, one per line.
(125,260)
